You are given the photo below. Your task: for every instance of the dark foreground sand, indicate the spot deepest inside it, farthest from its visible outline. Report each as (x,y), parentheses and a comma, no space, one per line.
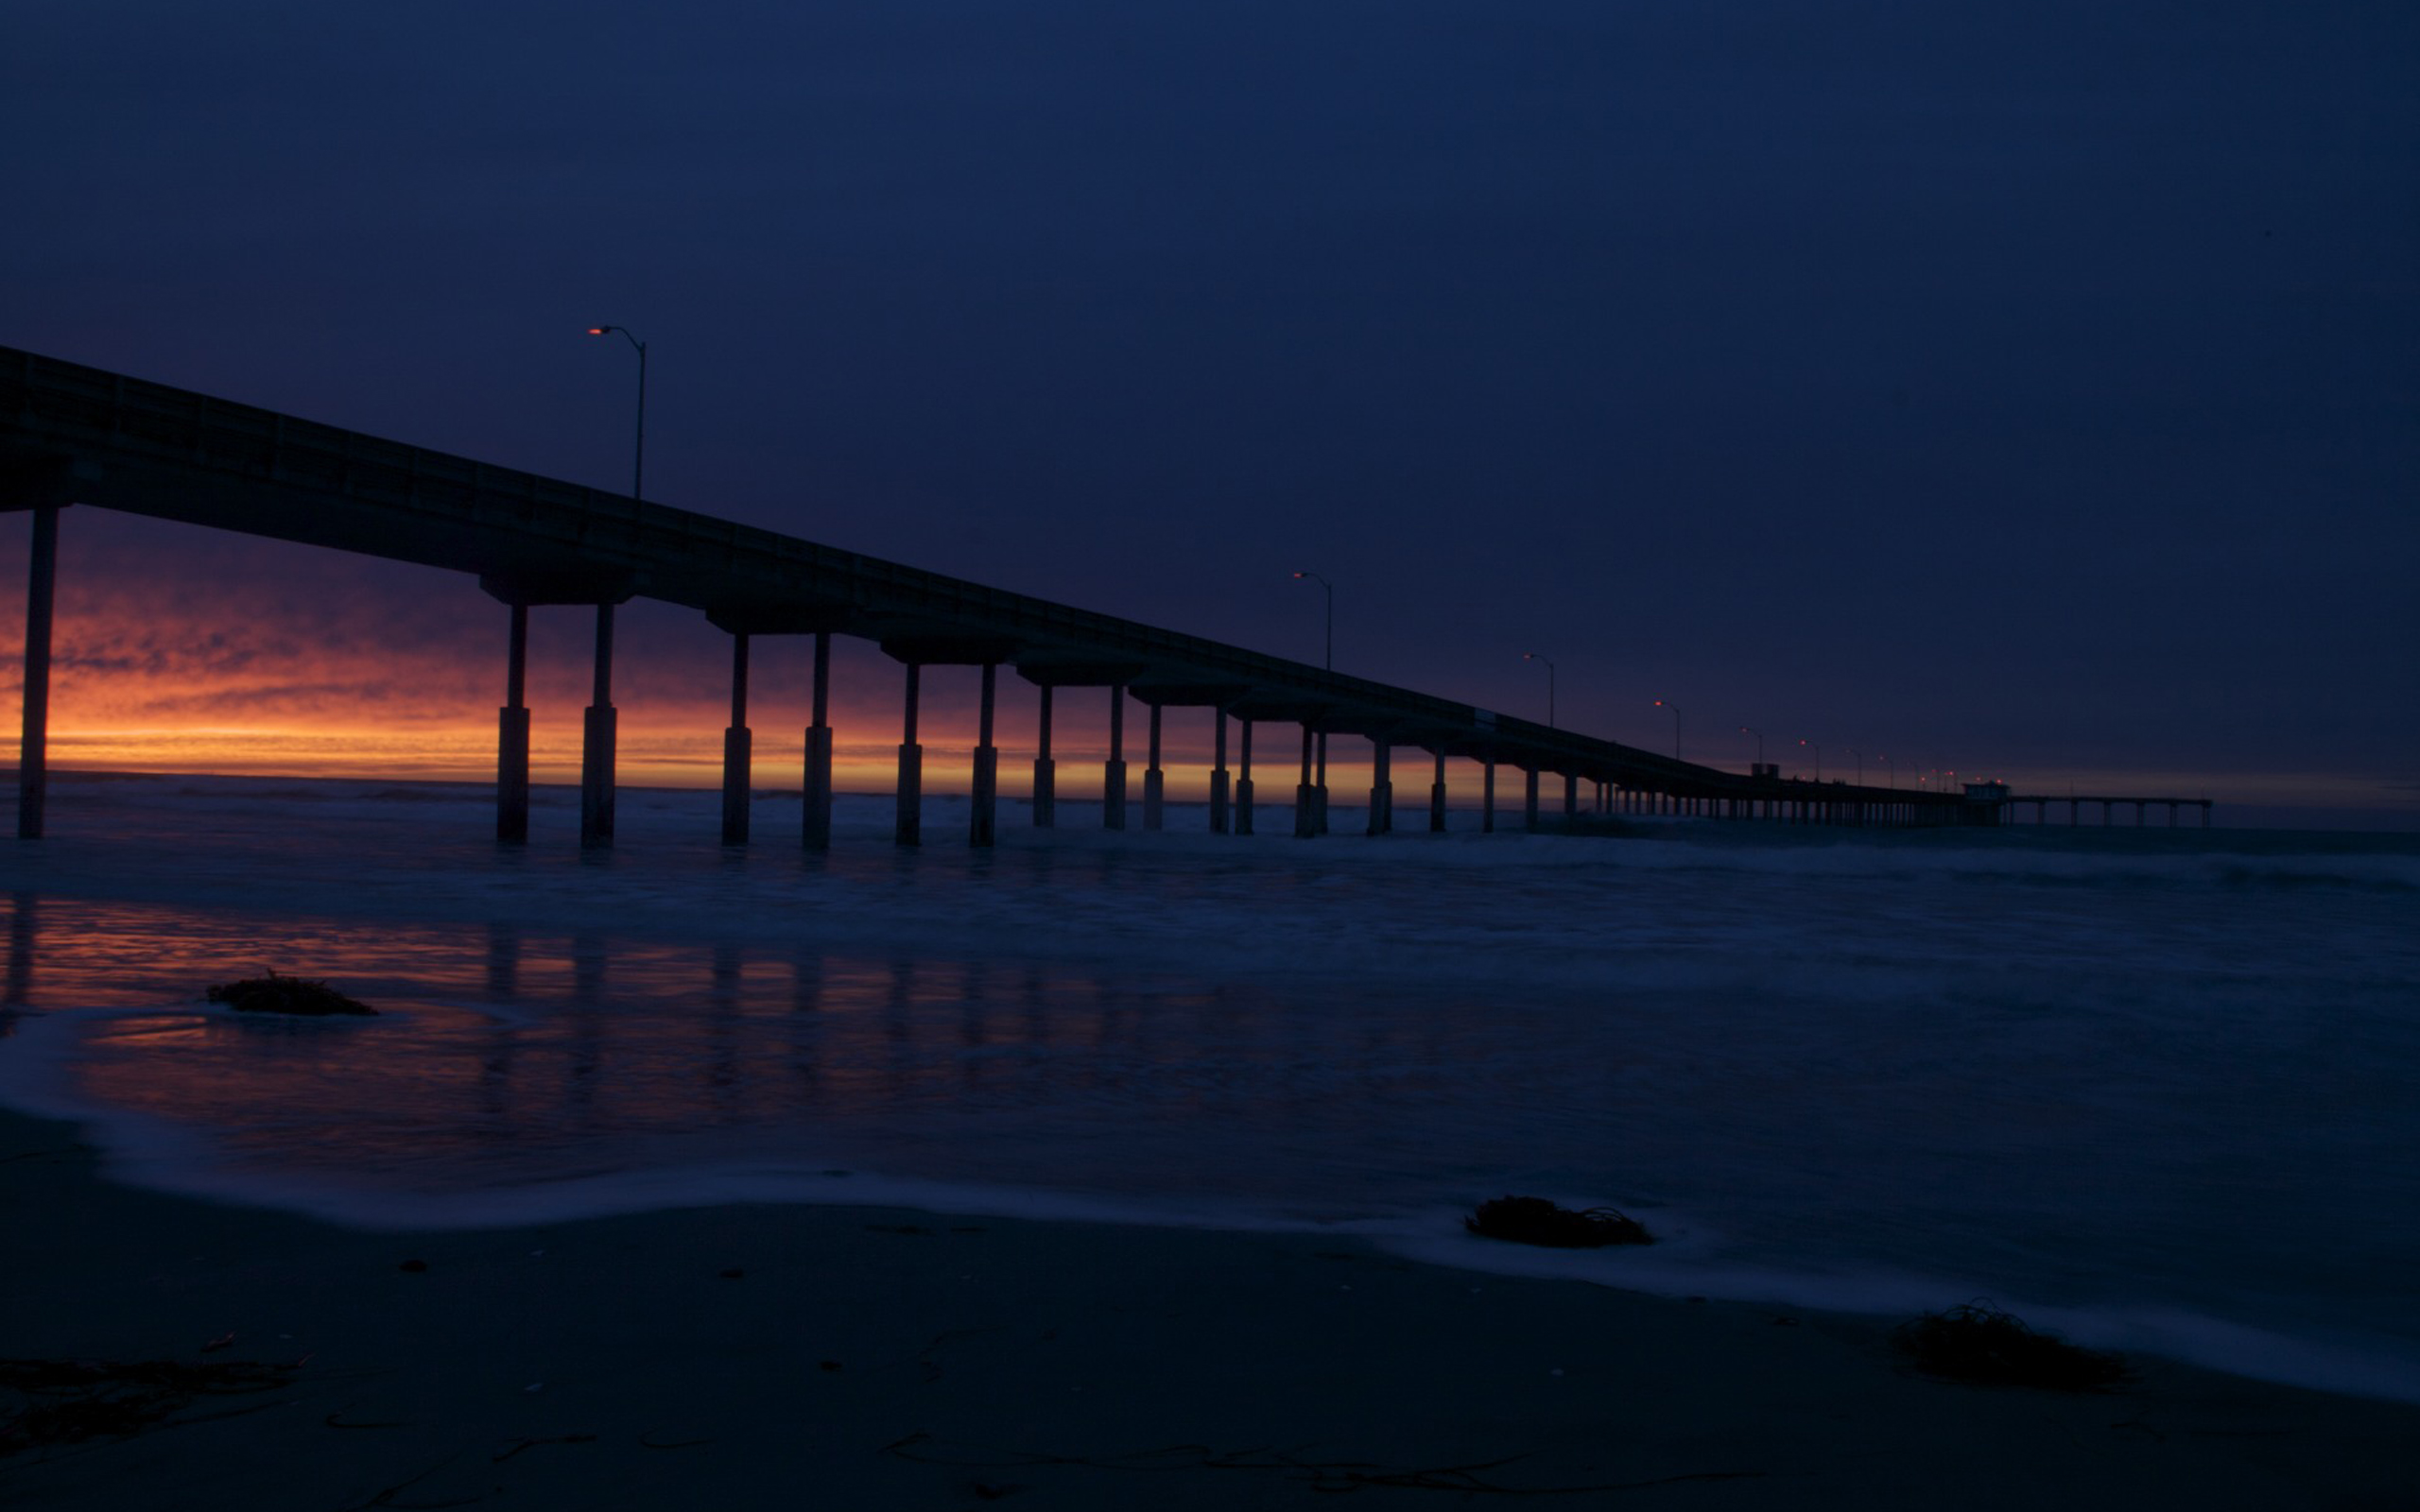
(873,1358)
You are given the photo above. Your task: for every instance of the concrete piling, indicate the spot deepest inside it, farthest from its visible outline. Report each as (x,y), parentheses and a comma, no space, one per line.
(596,744)
(1243,781)
(1113,771)
(1045,772)
(910,826)
(33,751)
(814,827)
(512,735)
(984,800)
(737,764)
(1220,821)
(1306,812)
(1319,787)
(1382,787)
(1154,782)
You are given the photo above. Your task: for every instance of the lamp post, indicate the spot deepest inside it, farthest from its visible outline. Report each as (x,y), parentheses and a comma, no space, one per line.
(1760,742)
(1329,588)
(1676,726)
(638,460)
(1861,763)
(1888,765)
(1819,758)
(1533,656)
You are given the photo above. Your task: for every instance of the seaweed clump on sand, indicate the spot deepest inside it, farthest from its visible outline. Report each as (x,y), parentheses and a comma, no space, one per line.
(75,1402)
(285,994)
(1536,1221)
(1979,1344)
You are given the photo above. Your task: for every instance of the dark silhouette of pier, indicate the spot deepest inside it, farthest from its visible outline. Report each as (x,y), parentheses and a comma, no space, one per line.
(76,434)
(2109,805)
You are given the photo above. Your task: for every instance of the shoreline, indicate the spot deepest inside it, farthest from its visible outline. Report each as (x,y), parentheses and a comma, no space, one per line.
(868,1356)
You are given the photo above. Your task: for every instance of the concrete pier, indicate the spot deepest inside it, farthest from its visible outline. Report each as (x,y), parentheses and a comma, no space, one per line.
(1244,780)
(1571,795)
(1529,798)
(1154,781)
(70,434)
(1045,772)
(513,734)
(1487,795)
(984,800)
(1437,796)
(814,827)
(1113,771)
(597,742)
(1220,822)
(33,750)
(1307,802)
(909,827)
(737,764)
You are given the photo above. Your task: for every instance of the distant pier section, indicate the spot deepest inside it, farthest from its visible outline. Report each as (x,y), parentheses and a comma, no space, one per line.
(73,435)
(2109,805)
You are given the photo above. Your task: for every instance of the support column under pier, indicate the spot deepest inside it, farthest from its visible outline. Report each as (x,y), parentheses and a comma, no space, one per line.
(596,744)
(33,750)
(736,763)
(1113,771)
(1243,779)
(1382,787)
(1306,812)
(1319,788)
(910,826)
(1218,816)
(512,735)
(1045,772)
(1437,796)
(1154,781)
(814,827)
(1570,795)
(1529,799)
(1487,796)
(984,797)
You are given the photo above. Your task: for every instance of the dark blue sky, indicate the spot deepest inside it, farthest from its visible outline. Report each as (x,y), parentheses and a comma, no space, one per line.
(2030,387)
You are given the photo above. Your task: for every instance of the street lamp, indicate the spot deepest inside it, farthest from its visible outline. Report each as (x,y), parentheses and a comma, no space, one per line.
(1676,726)
(1533,656)
(1760,742)
(1819,758)
(1330,589)
(638,462)
(1890,765)
(1861,763)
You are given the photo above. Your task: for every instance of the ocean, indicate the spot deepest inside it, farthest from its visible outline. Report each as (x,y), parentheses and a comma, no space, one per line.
(2150,1087)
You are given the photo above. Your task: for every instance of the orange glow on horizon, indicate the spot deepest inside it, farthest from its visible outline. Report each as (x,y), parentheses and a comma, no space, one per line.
(182,650)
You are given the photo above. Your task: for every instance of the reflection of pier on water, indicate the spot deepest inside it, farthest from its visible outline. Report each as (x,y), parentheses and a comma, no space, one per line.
(509,1043)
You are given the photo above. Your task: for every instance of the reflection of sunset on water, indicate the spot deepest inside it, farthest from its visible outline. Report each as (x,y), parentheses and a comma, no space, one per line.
(507,1049)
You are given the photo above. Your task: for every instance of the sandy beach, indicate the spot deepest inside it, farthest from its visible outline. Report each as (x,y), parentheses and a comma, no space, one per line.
(824,1356)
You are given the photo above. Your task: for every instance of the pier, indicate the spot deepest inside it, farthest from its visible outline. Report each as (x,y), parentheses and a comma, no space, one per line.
(2109,805)
(72,435)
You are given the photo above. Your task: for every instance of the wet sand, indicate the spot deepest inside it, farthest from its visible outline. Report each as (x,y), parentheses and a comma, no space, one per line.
(845,1357)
